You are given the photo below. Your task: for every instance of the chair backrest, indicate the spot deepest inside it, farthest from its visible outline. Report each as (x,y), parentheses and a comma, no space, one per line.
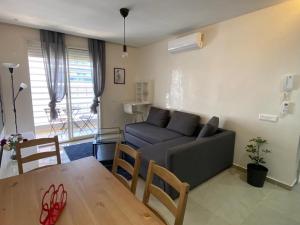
(132,170)
(168,177)
(48,114)
(40,155)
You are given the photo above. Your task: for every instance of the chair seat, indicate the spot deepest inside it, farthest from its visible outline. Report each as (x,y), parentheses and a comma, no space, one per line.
(157,214)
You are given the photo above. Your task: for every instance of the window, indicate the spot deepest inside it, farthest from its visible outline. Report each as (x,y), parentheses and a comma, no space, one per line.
(75,118)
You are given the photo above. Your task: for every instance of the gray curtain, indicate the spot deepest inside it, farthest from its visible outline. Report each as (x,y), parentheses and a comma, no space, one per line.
(97,56)
(54,55)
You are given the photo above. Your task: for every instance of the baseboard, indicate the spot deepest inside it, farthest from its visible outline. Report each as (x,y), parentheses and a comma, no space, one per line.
(269,179)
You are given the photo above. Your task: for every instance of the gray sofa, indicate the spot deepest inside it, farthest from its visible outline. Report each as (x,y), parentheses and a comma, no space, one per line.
(181,146)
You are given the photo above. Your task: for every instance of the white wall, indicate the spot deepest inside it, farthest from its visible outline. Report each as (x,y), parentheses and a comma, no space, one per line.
(13,48)
(115,94)
(236,76)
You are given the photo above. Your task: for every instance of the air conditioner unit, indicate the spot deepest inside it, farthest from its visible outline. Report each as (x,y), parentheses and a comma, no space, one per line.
(189,42)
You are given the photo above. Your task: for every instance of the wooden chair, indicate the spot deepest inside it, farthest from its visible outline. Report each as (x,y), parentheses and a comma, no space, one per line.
(132,170)
(37,156)
(182,188)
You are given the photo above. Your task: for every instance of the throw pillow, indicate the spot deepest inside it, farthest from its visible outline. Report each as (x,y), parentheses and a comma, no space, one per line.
(184,123)
(210,128)
(158,117)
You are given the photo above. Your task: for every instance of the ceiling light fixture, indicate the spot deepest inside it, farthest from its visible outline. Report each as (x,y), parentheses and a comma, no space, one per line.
(124,12)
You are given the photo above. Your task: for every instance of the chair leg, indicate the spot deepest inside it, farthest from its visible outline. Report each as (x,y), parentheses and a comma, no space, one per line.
(93,126)
(52,129)
(84,125)
(89,125)
(63,128)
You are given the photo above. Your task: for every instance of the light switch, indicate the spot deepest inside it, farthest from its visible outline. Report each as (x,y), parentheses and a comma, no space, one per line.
(268,117)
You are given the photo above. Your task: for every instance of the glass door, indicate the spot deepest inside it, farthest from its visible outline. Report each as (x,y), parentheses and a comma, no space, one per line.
(82,122)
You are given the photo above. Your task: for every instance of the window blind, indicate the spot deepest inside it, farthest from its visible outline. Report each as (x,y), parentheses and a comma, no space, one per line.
(80,84)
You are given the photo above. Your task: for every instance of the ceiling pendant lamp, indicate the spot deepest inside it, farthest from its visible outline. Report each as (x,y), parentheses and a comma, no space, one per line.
(124,12)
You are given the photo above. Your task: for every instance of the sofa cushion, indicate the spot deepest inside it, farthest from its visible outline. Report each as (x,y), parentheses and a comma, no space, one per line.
(158,117)
(150,133)
(184,123)
(158,152)
(210,128)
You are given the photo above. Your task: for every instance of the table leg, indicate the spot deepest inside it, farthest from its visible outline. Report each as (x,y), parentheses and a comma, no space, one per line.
(1,154)
(95,150)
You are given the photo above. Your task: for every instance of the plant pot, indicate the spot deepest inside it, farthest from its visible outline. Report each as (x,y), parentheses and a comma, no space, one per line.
(256,174)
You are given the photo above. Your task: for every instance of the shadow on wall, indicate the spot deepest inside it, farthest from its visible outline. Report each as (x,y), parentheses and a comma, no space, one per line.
(296,82)
(210,33)
(174,98)
(298,160)
(243,134)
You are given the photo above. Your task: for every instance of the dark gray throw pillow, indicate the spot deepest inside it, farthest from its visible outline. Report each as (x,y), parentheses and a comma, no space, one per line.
(210,128)
(184,123)
(158,117)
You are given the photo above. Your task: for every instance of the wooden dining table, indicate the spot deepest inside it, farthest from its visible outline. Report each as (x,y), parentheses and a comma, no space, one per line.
(94,197)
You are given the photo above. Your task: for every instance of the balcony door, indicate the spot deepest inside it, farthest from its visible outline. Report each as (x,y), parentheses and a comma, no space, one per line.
(81,94)
(74,118)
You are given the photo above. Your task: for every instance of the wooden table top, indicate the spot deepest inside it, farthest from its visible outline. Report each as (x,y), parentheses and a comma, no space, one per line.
(95,196)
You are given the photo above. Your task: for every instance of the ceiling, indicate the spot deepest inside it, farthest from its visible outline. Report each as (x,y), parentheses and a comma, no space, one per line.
(148,20)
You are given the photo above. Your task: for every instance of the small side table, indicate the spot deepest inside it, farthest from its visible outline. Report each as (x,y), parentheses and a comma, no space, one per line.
(138,109)
(104,145)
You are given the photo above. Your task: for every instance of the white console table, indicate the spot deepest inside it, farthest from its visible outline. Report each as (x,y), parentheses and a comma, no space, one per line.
(138,109)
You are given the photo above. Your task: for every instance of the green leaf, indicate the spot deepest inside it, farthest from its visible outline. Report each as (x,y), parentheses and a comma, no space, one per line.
(261,160)
(266,150)
(254,147)
(254,158)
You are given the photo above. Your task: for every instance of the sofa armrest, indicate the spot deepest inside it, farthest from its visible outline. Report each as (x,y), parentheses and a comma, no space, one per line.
(197,161)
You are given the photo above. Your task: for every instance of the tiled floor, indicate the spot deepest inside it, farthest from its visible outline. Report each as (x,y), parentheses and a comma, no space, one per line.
(227,199)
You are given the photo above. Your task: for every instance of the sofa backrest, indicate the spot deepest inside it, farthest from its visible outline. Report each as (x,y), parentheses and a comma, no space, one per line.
(164,116)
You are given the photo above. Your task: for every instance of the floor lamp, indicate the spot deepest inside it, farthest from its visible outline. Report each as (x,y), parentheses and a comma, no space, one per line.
(11,67)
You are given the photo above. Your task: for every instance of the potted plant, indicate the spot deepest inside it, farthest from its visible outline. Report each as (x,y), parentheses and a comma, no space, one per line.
(256,172)
(10,144)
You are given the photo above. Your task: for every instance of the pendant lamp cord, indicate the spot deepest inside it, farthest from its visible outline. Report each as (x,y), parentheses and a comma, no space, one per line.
(124,33)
